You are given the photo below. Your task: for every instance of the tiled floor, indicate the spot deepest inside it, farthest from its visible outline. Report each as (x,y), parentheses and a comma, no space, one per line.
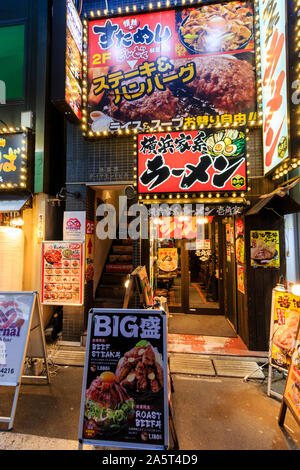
(210,345)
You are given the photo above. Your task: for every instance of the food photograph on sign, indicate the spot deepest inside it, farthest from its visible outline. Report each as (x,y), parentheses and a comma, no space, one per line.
(192,161)
(292,390)
(177,67)
(286,320)
(62,273)
(265,248)
(124,389)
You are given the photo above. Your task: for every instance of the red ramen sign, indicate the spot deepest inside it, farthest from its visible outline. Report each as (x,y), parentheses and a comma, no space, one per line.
(192,161)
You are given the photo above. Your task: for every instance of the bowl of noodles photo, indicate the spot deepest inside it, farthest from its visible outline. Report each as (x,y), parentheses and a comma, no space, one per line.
(217,28)
(168,264)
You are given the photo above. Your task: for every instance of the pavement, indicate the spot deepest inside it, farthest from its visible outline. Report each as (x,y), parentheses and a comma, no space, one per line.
(210,413)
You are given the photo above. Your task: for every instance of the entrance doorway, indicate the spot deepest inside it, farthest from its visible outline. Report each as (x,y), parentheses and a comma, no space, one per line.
(188,271)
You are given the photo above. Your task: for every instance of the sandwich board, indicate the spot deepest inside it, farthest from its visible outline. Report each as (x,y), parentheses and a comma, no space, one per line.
(291,395)
(285,319)
(124,400)
(21,336)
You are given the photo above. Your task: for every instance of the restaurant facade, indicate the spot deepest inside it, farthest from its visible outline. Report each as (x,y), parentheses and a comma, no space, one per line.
(172,122)
(154,99)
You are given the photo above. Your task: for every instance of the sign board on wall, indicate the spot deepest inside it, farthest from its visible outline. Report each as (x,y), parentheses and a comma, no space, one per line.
(74,225)
(264,250)
(62,273)
(124,400)
(13,160)
(73,59)
(192,161)
(272,17)
(67,59)
(175,67)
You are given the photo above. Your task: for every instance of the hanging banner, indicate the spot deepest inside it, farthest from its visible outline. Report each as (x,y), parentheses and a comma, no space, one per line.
(62,273)
(265,248)
(285,322)
(177,67)
(89,250)
(124,399)
(192,161)
(272,18)
(240,274)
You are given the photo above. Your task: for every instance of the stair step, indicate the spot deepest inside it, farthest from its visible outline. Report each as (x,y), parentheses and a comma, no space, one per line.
(110,291)
(122,249)
(113,278)
(108,303)
(118,268)
(120,258)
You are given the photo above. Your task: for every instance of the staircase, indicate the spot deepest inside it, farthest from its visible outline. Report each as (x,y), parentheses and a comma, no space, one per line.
(111,288)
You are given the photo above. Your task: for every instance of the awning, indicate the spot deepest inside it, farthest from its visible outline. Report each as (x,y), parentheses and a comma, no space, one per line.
(279,204)
(13,202)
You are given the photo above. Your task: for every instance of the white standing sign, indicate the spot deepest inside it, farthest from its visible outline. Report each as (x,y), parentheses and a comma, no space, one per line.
(21,335)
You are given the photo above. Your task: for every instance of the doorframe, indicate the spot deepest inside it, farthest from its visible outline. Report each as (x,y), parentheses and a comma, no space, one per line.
(185,308)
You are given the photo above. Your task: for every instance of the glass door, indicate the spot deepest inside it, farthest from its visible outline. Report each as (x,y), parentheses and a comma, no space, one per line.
(204,269)
(184,270)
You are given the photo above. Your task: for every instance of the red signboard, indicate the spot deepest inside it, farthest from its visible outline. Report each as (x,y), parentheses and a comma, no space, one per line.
(175,67)
(192,161)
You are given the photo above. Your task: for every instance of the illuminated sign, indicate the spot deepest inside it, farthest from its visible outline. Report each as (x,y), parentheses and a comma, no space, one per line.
(192,161)
(177,68)
(274,82)
(73,59)
(13,161)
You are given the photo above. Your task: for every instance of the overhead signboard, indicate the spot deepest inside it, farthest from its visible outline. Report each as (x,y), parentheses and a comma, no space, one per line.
(13,160)
(272,18)
(67,59)
(177,67)
(124,400)
(198,161)
(62,272)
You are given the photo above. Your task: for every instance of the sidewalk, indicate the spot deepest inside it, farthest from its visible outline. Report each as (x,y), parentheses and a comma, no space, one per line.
(210,413)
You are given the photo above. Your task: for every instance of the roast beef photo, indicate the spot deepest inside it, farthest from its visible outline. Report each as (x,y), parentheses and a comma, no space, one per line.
(140,371)
(108,406)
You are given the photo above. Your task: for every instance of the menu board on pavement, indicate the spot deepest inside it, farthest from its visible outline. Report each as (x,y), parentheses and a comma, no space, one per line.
(124,398)
(62,273)
(291,396)
(15,318)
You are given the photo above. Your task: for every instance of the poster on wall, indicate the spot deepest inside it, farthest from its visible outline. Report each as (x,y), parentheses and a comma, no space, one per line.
(285,322)
(178,67)
(167,259)
(192,161)
(124,399)
(74,225)
(240,278)
(62,273)
(264,251)
(273,43)
(291,394)
(239,242)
